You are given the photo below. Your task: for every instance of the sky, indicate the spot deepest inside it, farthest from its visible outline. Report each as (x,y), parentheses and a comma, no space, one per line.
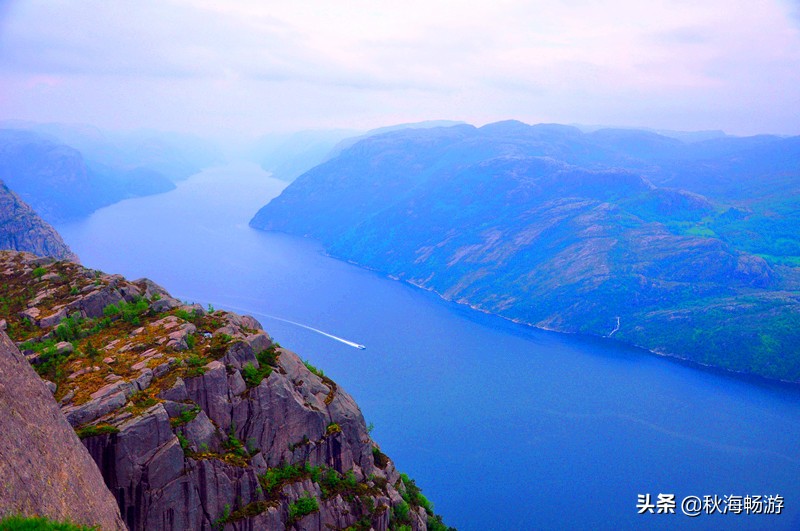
(251,67)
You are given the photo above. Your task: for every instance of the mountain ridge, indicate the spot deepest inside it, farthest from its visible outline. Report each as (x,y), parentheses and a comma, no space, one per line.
(529,223)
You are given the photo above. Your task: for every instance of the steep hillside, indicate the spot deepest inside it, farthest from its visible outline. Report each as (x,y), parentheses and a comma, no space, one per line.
(60,184)
(567,231)
(21,229)
(196,418)
(45,469)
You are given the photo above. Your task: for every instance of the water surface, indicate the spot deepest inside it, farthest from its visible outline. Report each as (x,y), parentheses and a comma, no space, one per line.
(504,427)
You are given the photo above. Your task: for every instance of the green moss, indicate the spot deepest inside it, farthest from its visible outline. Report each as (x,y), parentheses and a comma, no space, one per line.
(96,429)
(25,523)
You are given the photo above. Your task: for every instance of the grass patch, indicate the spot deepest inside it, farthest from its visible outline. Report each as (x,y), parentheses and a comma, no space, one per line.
(313,369)
(96,429)
(36,523)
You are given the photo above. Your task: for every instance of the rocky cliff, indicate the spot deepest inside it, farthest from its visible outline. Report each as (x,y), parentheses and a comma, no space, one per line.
(45,469)
(21,229)
(195,417)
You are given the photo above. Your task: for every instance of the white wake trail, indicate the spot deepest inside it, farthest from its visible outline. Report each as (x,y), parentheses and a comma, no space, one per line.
(301,325)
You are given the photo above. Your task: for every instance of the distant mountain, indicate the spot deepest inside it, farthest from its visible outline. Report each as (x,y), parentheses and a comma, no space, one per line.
(286,156)
(175,156)
(578,232)
(59,183)
(289,156)
(21,229)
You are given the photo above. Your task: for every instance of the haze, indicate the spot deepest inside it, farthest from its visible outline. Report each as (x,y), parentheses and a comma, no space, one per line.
(225,68)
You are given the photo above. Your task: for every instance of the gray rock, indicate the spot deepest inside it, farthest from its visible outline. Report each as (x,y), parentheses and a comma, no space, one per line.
(64,347)
(166,304)
(54,318)
(45,469)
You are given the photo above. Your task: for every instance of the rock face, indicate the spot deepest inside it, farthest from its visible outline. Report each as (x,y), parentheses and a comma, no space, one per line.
(21,229)
(576,232)
(45,468)
(196,419)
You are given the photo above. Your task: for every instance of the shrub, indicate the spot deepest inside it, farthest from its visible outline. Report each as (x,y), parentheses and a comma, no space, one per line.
(185,416)
(302,506)
(233,444)
(39,272)
(400,511)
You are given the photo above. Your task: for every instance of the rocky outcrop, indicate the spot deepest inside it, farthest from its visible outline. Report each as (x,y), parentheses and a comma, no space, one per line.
(21,229)
(45,468)
(197,419)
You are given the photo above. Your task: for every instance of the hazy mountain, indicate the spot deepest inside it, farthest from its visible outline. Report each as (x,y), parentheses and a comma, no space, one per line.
(575,231)
(288,156)
(175,156)
(59,183)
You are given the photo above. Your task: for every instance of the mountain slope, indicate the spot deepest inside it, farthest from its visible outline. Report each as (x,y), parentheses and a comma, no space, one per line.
(195,418)
(60,184)
(21,229)
(567,231)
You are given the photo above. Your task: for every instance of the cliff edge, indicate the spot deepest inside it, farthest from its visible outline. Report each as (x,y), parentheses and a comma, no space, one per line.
(195,417)
(46,470)
(21,229)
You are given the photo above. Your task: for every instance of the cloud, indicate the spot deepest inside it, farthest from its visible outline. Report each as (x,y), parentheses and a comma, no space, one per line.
(359,62)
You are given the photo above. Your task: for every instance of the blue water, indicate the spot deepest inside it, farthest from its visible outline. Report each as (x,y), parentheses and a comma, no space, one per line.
(504,427)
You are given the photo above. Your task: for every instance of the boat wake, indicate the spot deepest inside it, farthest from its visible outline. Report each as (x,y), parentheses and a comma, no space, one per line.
(301,325)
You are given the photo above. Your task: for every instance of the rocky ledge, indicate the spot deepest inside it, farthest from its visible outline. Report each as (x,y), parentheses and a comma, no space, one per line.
(195,417)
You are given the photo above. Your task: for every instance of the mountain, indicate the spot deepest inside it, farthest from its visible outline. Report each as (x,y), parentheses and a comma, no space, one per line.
(21,229)
(288,156)
(195,417)
(174,156)
(60,184)
(578,232)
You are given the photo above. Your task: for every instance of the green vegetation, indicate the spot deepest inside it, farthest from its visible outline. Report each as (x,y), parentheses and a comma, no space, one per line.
(96,429)
(35,523)
(186,415)
(38,272)
(233,444)
(186,315)
(143,399)
(413,499)
(220,522)
(184,442)
(313,369)
(302,506)
(129,311)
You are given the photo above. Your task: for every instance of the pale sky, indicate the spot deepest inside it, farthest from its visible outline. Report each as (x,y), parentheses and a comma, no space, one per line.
(249,67)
